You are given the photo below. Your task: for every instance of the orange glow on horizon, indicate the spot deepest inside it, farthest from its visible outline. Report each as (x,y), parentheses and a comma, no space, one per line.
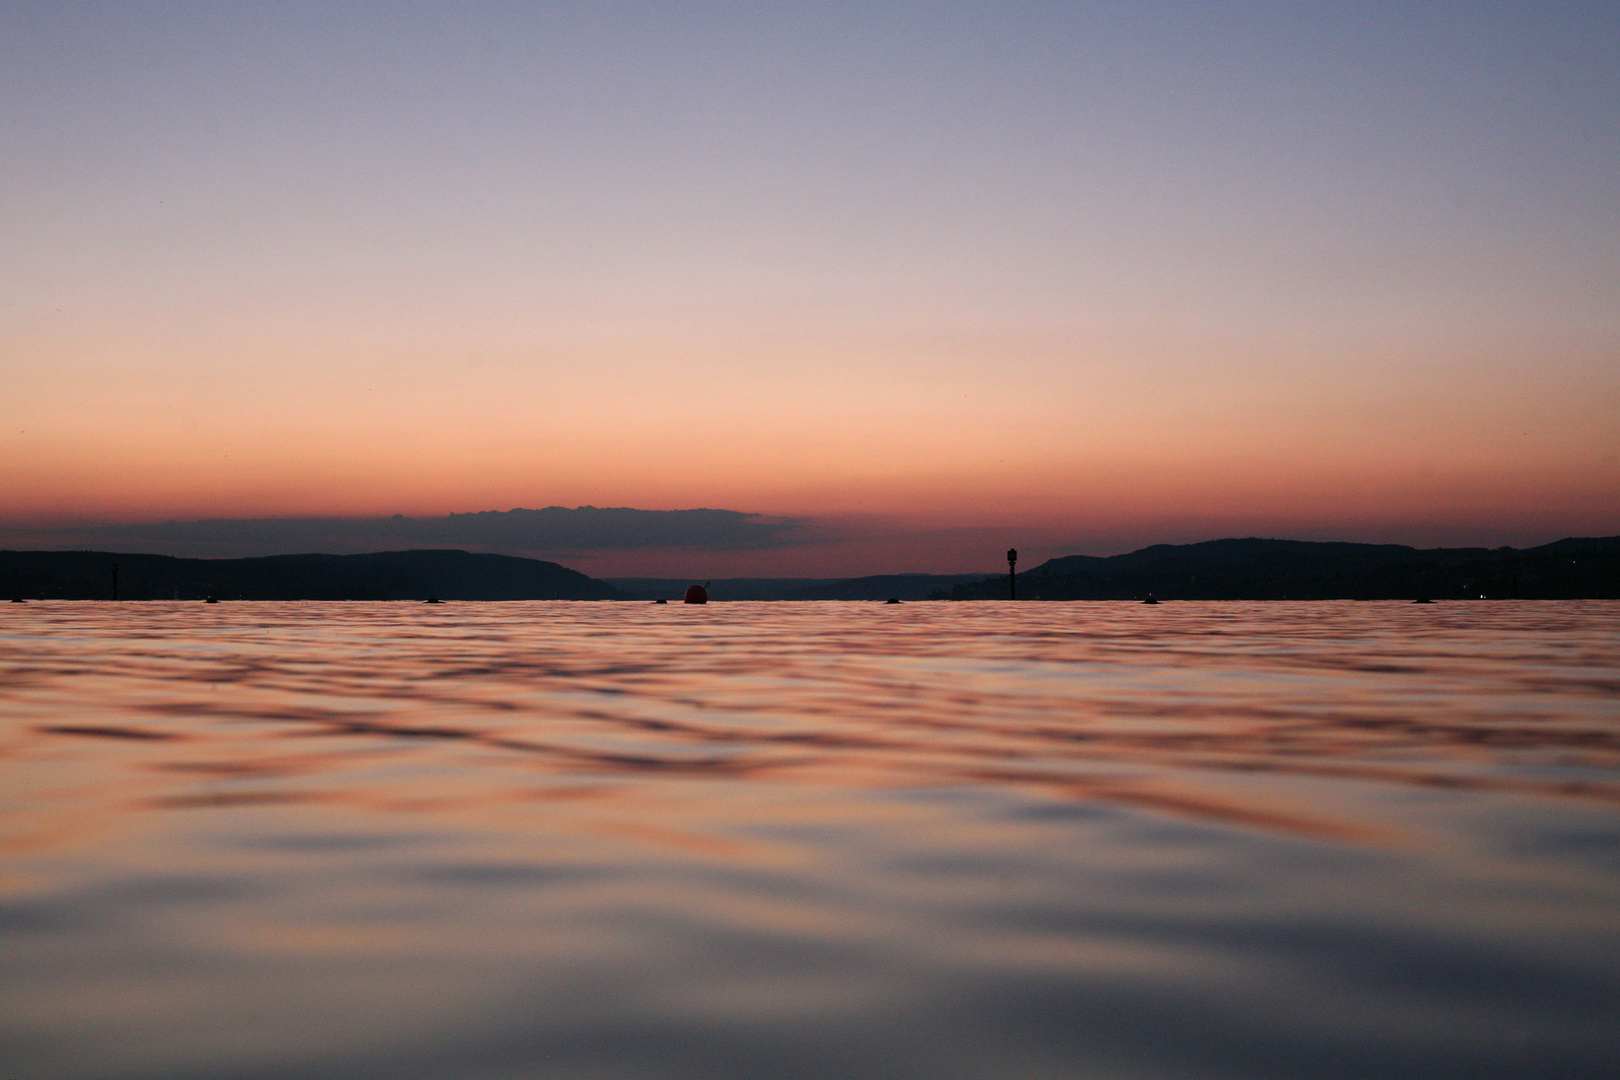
(1208,301)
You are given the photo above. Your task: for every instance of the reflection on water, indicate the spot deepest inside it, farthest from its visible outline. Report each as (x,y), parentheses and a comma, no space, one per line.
(782,840)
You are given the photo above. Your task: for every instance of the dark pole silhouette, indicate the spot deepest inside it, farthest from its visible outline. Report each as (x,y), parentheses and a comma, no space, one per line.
(1012,573)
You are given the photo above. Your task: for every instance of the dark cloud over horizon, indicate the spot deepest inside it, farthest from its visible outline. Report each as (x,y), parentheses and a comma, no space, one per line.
(553,532)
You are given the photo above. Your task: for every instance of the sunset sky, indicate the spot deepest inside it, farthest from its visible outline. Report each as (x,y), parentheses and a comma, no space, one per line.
(913,282)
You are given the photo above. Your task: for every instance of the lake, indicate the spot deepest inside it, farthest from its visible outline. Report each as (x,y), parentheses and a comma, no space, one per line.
(809,840)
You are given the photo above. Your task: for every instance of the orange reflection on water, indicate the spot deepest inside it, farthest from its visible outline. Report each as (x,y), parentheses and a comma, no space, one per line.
(771,840)
(1197,710)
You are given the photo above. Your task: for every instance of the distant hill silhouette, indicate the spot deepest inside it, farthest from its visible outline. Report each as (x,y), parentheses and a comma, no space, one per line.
(1255,569)
(386,575)
(1251,569)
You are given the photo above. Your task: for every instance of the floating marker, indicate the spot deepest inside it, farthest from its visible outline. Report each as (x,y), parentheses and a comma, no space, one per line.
(697,594)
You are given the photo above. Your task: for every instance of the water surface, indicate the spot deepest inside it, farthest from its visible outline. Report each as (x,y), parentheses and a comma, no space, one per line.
(1314,840)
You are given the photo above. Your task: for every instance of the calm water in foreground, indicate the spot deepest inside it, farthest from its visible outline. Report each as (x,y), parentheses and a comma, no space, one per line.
(1313,840)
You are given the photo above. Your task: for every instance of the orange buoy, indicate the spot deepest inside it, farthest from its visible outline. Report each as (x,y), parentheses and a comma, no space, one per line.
(697,594)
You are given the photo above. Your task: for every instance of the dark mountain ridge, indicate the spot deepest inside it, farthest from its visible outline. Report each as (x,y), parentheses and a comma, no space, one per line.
(1260,569)
(1246,569)
(384,575)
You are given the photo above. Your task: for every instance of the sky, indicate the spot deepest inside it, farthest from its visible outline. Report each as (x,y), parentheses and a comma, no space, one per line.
(896,286)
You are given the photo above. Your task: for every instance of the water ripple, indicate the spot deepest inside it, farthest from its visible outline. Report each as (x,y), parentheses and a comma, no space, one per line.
(1321,841)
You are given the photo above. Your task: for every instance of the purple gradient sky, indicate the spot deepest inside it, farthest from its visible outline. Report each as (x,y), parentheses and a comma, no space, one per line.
(935,277)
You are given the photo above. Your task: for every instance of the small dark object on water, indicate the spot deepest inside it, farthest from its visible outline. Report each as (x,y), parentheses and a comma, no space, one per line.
(892,600)
(697,594)
(433,600)
(660,601)
(18,600)
(211,600)
(1150,600)
(1423,600)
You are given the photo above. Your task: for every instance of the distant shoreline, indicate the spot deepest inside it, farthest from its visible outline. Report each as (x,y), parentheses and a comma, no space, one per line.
(1234,569)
